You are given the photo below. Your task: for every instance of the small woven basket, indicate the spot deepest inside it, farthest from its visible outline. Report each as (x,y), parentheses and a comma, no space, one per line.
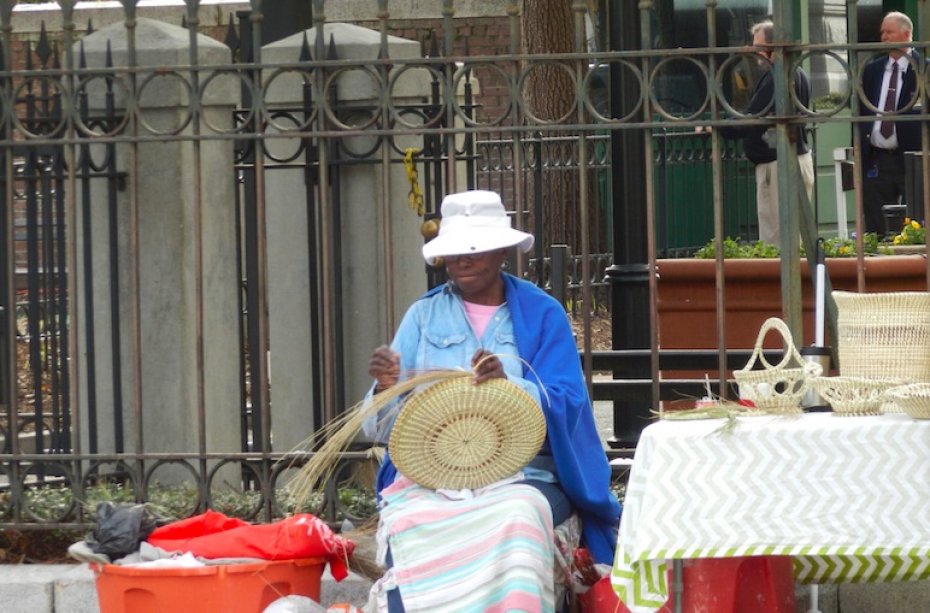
(776,388)
(913,399)
(456,434)
(884,335)
(853,395)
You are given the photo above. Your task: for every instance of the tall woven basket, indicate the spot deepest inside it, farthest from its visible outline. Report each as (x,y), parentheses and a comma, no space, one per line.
(884,335)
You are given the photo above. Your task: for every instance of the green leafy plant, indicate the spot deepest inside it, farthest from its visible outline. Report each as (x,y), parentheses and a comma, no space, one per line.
(50,502)
(912,233)
(357,503)
(828,102)
(173,502)
(846,247)
(737,248)
(832,248)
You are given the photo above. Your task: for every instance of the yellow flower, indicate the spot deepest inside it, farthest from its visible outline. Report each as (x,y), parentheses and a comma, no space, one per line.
(915,224)
(897,239)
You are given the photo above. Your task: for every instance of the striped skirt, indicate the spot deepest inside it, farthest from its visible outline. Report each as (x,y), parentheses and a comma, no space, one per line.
(482,550)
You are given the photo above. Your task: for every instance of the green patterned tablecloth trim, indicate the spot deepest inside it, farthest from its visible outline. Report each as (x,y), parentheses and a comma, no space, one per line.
(648,583)
(863,564)
(647,579)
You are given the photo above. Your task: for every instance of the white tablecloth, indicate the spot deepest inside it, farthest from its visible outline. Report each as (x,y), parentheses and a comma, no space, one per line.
(849,497)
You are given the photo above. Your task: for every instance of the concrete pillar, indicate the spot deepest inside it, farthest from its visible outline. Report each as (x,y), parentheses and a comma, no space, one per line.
(364,311)
(164,181)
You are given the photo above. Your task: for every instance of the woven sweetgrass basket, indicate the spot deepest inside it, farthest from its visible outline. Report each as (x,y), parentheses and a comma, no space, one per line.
(456,434)
(913,399)
(777,388)
(884,335)
(854,395)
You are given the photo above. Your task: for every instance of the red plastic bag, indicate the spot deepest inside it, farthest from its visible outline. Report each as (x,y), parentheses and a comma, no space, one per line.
(213,535)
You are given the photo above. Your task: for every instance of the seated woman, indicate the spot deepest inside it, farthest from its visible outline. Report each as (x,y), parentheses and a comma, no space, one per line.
(490,549)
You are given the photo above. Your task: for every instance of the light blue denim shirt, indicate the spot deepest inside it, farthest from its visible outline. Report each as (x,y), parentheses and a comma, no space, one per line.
(434,334)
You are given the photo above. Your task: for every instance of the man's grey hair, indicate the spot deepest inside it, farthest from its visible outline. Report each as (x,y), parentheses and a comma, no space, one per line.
(766,27)
(904,22)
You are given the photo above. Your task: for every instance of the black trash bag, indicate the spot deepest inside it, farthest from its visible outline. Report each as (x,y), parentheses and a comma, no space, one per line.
(120,528)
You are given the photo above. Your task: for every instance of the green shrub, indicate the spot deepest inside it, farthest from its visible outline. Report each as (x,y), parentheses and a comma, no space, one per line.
(828,102)
(912,233)
(832,248)
(737,248)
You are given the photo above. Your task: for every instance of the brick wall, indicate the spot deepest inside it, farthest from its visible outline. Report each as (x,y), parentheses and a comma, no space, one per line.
(476,36)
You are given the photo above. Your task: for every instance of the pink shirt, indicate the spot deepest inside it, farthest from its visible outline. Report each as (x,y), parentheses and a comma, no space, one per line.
(479,315)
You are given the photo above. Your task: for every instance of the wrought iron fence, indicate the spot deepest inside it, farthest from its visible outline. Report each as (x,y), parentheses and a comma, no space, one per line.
(178,338)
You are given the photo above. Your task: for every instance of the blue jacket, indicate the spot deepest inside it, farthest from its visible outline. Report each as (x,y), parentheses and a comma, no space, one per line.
(544,339)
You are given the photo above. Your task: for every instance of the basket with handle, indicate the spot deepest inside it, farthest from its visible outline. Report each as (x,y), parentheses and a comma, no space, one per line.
(884,335)
(777,388)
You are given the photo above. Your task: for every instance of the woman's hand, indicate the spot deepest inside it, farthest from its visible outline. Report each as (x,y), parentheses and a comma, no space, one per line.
(384,367)
(487,366)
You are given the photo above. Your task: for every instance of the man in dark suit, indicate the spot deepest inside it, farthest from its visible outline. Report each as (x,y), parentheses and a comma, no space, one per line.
(889,82)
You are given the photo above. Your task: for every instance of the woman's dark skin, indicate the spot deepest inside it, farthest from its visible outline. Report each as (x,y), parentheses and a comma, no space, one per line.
(478,279)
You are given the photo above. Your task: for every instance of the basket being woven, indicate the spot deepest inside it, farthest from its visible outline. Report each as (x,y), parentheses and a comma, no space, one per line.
(884,335)
(776,388)
(913,399)
(456,434)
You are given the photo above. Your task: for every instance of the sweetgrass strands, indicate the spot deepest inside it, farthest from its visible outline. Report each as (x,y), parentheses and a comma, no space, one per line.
(721,409)
(338,434)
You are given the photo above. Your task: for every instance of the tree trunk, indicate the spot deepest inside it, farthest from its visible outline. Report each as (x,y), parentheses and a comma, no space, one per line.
(547,28)
(548,95)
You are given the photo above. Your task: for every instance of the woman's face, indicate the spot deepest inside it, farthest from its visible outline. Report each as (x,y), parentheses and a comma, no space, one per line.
(478,276)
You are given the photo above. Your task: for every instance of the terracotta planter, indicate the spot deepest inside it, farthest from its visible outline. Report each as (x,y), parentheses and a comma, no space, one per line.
(687,295)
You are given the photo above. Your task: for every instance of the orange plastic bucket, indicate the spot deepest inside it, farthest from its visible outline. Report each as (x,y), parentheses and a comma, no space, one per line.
(231,588)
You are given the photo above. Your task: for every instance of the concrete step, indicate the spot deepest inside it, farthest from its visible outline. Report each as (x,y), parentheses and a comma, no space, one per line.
(900,597)
(69,588)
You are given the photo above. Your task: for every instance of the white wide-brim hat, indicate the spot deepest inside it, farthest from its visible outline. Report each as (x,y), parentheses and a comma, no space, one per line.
(474,222)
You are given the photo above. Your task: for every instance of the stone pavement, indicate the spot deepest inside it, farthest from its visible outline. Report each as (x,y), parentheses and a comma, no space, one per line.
(69,588)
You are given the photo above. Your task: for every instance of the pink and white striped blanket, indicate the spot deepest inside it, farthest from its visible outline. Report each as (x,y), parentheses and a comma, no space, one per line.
(482,550)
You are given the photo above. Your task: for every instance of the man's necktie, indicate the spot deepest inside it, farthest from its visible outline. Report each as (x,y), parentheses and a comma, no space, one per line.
(887,127)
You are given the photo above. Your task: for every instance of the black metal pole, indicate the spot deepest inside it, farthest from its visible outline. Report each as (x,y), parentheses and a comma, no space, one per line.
(629,275)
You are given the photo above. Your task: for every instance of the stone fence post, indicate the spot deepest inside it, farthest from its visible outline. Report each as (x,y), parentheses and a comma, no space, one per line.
(164,182)
(361,187)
